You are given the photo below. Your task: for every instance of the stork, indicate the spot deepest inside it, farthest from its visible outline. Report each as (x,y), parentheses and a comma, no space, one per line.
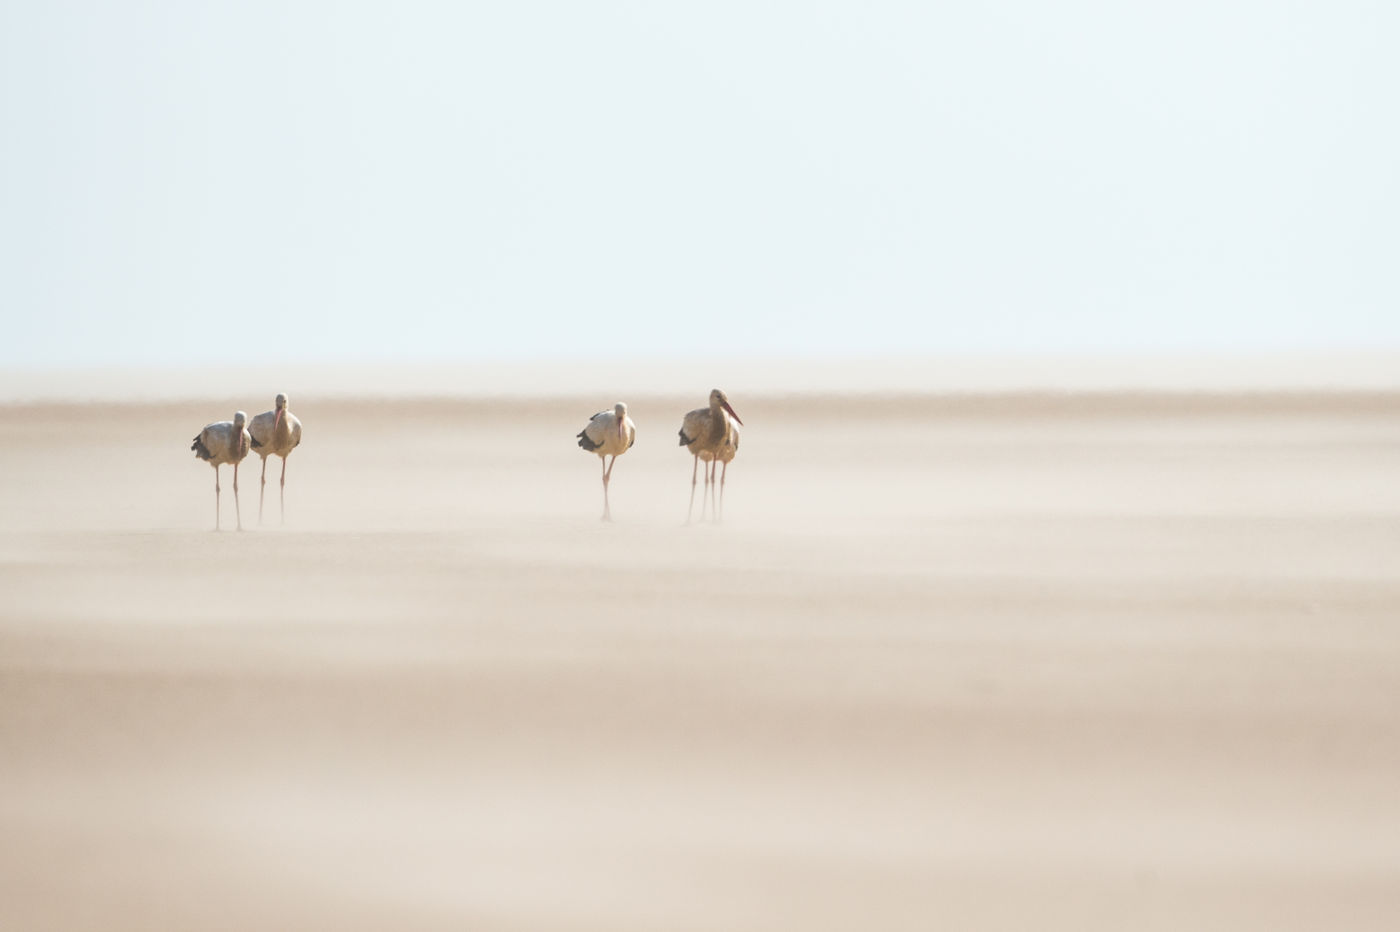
(608,433)
(224,442)
(705,432)
(275,433)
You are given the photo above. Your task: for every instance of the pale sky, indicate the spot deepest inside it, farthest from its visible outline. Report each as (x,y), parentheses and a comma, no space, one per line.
(400,181)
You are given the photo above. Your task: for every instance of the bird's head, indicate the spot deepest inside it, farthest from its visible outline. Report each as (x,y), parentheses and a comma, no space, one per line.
(719,399)
(239,419)
(280,403)
(620,415)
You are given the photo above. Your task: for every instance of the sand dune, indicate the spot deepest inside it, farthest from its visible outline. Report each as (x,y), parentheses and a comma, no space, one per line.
(993,661)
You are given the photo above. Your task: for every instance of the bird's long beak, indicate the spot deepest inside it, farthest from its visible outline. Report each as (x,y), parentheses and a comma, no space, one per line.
(731,411)
(621,429)
(277,421)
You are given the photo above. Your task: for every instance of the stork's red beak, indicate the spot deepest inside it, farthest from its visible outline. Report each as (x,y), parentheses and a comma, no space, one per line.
(276,421)
(731,411)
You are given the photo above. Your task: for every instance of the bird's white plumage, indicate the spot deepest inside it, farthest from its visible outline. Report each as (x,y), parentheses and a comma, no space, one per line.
(704,430)
(602,431)
(274,438)
(225,441)
(727,449)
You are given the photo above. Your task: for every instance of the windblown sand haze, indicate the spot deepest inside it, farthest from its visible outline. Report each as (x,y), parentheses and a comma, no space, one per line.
(996,661)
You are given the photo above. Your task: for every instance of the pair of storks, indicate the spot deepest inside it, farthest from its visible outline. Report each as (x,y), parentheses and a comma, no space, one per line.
(276,432)
(711,434)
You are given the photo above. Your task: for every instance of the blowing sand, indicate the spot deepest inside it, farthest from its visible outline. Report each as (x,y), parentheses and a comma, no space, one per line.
(1003,662)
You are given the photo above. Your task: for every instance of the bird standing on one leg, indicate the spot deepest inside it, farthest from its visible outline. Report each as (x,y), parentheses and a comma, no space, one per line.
(705,432)
(276,432)
(224,442)
(608,433)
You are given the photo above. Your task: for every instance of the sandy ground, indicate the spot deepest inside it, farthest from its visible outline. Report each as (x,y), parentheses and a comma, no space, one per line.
(1015,662)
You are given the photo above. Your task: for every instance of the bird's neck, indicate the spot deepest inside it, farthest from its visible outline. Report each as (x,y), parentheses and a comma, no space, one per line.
(719,425)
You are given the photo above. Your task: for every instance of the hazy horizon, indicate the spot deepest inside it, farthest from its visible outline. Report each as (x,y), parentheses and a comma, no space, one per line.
(686,377)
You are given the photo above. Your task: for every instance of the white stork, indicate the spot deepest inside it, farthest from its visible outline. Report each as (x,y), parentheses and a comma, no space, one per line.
(608,433)
(705,432)
(275,433)
(224,442)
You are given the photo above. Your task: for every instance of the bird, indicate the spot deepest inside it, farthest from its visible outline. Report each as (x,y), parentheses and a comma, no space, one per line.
(276,432)
(608,433)
(224,442)
(705,432)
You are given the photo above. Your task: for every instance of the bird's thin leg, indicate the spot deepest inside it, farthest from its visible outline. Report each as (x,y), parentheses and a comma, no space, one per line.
(714,468)
(282,493)
(709,488)
(237,511)
(723,472)
(693,471)
(705,495)
(216,498)
(262,487)
(714,512)
(607,474)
